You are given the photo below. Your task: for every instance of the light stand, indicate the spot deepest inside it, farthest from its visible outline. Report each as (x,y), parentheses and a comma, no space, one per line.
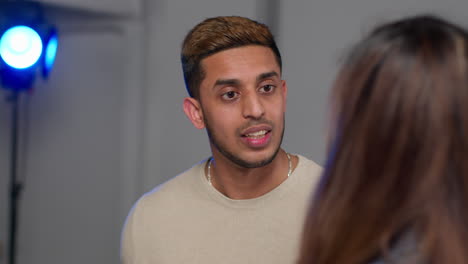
(27,43)
(15,186)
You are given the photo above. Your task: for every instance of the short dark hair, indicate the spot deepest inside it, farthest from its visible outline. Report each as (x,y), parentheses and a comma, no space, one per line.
(217,34)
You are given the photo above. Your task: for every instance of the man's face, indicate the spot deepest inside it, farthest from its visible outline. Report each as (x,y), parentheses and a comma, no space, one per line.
(243,101)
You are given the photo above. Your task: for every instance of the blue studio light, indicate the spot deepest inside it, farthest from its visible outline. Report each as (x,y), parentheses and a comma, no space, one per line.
(21,47)
(50,53)
(28,44)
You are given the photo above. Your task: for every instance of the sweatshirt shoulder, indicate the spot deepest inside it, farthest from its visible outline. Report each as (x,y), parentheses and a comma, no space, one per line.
(308,165)
(178,187)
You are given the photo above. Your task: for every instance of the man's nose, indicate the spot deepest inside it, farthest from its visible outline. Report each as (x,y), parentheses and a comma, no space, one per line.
(253,106)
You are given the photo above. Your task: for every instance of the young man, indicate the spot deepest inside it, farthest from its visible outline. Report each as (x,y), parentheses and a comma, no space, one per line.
(247,203)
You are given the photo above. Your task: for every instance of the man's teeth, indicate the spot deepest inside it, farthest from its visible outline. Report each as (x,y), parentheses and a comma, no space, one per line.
(257,134)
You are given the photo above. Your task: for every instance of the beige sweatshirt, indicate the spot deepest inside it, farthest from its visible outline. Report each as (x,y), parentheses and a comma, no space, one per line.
(186,220)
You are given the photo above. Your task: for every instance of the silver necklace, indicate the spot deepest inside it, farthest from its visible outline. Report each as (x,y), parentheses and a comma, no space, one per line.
(208,176)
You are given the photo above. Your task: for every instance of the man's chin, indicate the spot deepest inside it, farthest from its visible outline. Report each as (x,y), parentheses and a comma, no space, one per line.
(251,162)
(256,164)
(247,158)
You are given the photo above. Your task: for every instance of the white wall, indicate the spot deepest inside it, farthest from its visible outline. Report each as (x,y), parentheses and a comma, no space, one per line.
(116,7)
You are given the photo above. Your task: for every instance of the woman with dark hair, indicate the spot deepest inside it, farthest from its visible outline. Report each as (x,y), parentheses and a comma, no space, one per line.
(395,186)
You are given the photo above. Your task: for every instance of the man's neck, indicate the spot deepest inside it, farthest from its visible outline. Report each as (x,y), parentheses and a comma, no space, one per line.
(247,183)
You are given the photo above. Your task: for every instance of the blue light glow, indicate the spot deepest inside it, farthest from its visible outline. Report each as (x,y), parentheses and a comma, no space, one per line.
(51,51)
(20,47)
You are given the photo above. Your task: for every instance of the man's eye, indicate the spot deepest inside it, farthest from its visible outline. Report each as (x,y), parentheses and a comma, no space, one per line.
(229,95)
(267,88)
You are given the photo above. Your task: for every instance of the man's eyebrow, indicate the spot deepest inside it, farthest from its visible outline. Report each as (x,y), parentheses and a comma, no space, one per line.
(222,82)
(236,82)
(267,75)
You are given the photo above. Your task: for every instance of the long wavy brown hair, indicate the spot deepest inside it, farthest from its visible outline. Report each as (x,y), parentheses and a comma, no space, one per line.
(398,159)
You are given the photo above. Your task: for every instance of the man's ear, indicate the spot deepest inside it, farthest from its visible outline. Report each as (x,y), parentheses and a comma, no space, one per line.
(284,90)
(194,112)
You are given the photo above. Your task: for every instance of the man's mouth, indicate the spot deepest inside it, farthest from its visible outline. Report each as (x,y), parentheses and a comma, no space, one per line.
(257,134)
